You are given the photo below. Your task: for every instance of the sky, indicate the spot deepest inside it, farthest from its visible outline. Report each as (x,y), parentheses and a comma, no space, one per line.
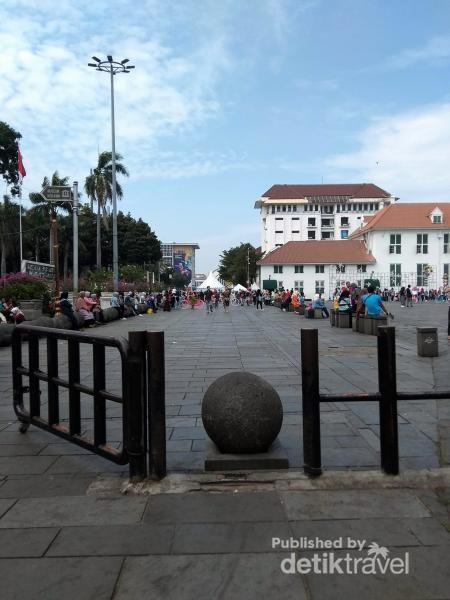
(228,98)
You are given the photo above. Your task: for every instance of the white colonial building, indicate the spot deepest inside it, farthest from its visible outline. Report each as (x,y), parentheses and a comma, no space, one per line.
(404,243)
(411,243)
(316,212)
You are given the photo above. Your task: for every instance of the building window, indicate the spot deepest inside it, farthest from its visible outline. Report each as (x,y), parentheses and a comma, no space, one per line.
(298,285)
(446,236)
(296,218)
(273,209)
(395,245)
(278,208)
(298,269)
(320,268)
(395,275)
(344,234)
(311,221)
(311,235)
(422,274)
(344,221)
(422,243)
(278,231)
(320,287)
(340,268)
(284,207)
(437,219)
(280,284)
(360,207)
(361,268)
(326,235)
(296,231)
(278,218)
(294,208)
(278,268)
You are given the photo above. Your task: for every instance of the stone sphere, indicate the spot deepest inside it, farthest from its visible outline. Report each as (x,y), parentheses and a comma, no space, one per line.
(242,413)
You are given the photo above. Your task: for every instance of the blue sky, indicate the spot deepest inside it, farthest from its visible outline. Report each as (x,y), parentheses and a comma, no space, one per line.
(230,97)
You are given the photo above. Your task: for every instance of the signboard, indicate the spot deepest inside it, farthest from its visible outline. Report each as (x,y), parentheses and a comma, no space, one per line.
(270,284)
(57,193)
(38,269)
(183,258)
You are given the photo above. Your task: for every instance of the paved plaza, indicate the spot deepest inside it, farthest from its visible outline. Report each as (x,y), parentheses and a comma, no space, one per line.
(67,531)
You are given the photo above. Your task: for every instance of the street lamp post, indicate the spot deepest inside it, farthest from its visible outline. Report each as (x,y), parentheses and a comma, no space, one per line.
(113,67)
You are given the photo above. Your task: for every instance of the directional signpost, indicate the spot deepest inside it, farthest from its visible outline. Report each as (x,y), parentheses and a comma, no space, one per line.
(57,193)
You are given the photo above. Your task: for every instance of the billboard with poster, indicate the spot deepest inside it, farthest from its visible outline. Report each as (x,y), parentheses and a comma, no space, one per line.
(183,260)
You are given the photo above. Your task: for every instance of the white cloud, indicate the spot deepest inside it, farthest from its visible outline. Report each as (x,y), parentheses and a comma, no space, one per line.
(408,154)
(435,51)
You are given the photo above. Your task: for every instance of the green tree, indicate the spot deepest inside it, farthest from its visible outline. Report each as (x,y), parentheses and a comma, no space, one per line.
(35,235)
(233,264)
(9,235)
(98,187)
(50,209)
(8,153)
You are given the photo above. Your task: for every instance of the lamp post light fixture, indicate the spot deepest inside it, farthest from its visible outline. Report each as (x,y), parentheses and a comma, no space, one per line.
(113,67)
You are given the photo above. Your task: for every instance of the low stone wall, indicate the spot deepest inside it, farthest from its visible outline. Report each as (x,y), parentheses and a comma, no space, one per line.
(63,322)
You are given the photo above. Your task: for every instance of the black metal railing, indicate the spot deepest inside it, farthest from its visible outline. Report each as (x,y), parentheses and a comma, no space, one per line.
(387,398)
(142,397)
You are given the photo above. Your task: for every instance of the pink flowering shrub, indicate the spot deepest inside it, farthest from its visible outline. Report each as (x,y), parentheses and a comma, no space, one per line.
(21,286)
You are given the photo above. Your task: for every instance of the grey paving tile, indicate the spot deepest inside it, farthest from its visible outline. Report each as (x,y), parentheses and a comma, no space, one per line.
(225,576)
(429,577)
(201,507)
(25,465)
(84,464)
(113,540)
(44,486)
(16,543)
(221,538)
(73,511)
(56,578)
(357,504)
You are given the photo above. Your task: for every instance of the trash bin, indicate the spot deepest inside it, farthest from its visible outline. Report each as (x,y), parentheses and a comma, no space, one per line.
(427,341)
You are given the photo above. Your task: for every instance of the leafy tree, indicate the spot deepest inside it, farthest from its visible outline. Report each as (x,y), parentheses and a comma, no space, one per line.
(35,235)
(233,264)
(137,242)
(98,187)
(8,153)
(50,208)
(9,234)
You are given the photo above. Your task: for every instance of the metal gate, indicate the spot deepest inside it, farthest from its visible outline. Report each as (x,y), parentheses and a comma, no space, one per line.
(142,396)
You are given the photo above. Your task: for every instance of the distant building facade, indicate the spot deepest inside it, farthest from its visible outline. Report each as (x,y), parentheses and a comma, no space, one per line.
(316,212)
(402,244)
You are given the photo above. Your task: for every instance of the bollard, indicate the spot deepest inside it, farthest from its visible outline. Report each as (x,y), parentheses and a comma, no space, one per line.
(387,382)
(312,458)
(427,341)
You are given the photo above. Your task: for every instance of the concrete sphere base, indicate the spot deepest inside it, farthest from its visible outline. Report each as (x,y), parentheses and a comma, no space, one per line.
(242,413)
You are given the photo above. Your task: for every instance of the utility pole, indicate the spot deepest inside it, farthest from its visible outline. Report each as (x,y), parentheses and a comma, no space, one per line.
(75,239)
(248,266)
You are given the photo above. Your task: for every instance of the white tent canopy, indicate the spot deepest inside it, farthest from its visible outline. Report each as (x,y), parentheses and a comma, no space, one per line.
(239,288)
(255,287)
(212,282)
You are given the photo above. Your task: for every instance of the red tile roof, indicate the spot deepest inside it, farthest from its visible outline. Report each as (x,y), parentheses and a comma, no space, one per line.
(407,215)
(319,252)
(352,190)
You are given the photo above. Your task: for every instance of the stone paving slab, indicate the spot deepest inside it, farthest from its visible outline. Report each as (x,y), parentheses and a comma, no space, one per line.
(26,543)
(334,504)
(224,576)
(56,578)
(73,511)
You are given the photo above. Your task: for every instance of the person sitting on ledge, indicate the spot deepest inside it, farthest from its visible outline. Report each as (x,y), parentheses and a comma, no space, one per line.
(17,315)
(344,304)
(319,303)
(372,302)
(66,309)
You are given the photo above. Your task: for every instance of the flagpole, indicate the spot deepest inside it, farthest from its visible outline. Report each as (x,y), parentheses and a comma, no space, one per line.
(20,224)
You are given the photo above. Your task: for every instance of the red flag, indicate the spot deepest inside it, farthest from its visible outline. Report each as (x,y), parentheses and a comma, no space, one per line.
(20,166)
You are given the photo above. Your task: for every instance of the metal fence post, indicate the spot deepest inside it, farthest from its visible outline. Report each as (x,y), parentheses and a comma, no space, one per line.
(134,398)
(387,381)
(156,405)
(311,402)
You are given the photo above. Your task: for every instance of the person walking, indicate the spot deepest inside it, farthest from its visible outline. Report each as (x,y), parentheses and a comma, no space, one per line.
(409,297)
(208,300)
(259,299)
(402,295)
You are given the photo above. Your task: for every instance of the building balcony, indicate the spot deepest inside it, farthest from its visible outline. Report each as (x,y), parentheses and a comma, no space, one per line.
(328,227)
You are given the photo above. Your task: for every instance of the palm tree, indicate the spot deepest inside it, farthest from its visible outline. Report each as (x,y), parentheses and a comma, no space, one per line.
(98,187)
(50,208)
